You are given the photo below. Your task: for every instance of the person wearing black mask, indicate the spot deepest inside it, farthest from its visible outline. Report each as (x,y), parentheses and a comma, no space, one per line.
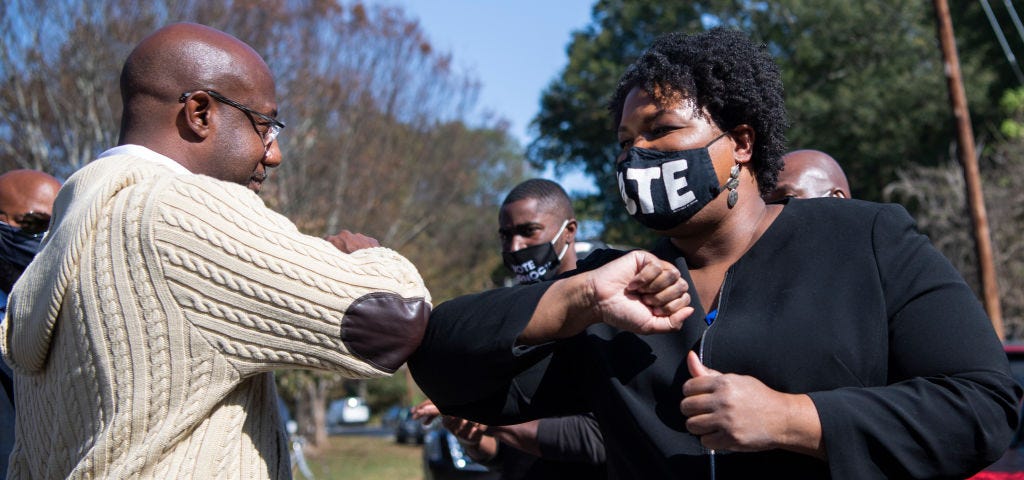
(537,228)
(823,338)
(26,203)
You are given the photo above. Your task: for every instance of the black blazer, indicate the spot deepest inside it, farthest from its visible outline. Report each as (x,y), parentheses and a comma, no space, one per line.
(840,299)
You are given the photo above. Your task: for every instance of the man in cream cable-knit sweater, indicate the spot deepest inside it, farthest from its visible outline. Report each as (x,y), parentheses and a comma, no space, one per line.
(144,335)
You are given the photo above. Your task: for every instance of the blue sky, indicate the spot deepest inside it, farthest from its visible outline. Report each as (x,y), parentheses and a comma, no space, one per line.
(514,47)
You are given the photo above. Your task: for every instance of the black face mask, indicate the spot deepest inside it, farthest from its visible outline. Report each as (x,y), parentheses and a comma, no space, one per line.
(17,249)
(536,263)
(664,189)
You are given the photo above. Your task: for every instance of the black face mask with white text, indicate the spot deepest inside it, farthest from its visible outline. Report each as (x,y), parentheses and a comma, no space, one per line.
(665,189)
(536,263)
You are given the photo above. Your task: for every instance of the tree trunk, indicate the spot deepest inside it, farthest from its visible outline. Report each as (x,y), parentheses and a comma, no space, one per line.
(304,410)
(318,409)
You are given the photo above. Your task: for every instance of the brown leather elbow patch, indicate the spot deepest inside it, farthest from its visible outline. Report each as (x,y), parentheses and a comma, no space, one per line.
(383,329)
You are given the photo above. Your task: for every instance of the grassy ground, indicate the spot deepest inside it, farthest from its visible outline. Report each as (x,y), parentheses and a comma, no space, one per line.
(366,458)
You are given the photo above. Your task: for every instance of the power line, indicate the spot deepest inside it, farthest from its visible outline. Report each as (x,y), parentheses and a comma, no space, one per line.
(1002,41)
(1016,19)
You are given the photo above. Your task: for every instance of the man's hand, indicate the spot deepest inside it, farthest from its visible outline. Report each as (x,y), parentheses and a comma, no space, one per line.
(349,242)
(470,433)
(742,414)
(474,437)
(425,412)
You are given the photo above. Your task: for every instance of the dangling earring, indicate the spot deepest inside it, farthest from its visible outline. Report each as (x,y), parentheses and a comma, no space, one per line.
(734,181)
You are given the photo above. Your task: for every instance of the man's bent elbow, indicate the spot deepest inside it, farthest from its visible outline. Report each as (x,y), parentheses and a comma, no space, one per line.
(384,329)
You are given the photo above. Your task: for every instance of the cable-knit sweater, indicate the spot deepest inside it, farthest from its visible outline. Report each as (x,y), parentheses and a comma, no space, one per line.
(145,334)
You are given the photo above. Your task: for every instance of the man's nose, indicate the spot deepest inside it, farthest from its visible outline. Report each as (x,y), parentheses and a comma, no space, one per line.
(272,158)
(518,243)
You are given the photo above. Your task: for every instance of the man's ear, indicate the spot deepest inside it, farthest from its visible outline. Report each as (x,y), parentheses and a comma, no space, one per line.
(743,137)
(838,193)
(570,228)
(198,113)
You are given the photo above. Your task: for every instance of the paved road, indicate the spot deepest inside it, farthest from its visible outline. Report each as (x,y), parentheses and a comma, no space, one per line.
(366,430)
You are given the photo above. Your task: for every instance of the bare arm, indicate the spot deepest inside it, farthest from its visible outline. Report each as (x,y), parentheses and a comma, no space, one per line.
(637,292)
(522,436)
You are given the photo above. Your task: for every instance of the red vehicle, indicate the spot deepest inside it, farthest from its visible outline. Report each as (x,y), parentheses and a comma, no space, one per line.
(1011,465)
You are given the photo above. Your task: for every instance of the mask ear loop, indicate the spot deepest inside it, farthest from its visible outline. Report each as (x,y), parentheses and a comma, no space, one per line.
(716,139)
(564,249)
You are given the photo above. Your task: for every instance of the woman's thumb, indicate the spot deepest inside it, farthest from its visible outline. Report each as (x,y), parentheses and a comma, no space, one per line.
(696,368)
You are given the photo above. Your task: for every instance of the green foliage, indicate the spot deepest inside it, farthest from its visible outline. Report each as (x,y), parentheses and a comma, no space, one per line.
(1012,105)
(870,87)
(1012,129)
(864,82)
(382,393)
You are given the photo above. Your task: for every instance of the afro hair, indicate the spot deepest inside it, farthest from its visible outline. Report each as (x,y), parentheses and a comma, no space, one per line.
(724,72)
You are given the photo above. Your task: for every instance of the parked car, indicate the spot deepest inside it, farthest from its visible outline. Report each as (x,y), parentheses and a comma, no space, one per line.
(348,411)
(391,417)
(409,429)
(584,247)
(444,458)
(1011,465)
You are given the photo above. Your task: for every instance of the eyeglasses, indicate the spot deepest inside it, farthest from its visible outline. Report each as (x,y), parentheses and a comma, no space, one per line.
(32,223)
(274,125)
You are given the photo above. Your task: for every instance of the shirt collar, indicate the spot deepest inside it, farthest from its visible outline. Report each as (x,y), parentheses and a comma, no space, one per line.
(145,154)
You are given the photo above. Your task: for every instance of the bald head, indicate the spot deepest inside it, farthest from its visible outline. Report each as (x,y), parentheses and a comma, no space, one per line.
(26,191)
(204,99)
(810,174)
(186,56)
(181,58)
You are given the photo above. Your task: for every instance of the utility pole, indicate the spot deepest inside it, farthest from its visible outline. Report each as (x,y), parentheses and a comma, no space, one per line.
(969,162)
